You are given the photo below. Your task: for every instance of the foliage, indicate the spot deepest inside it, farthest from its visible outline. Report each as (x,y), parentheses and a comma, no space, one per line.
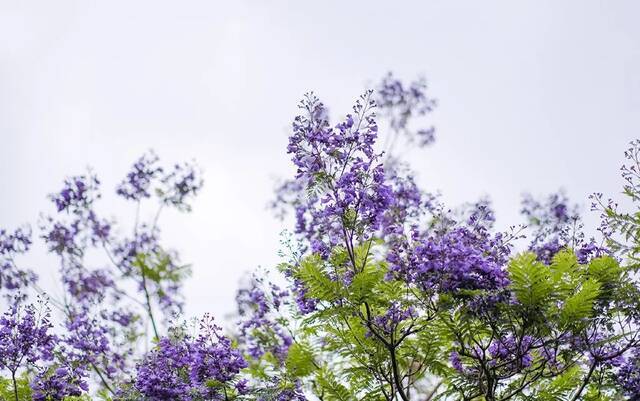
(389,295)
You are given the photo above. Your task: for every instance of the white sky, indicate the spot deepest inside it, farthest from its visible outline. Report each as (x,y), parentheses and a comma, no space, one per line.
(533,96)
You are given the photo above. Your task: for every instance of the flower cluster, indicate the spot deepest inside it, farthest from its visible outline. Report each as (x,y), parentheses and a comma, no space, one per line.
(13,278)
(400,103)
(175,187)
(393,317)
(342,171)
(556,225)
(260,330)
(628,376)
(25,338)
(65,380)
(459,259)
(511,352)
(186,368)
(181,184)
(137,185)
(78,194)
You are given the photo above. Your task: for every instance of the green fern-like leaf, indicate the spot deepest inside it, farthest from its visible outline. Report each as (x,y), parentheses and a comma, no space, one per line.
(530,280)
(333,390)
(580,305)
(299,362)
(319,284)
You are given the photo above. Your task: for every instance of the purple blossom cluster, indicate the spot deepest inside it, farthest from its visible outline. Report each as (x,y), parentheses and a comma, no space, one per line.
(456,361)
(174,187)
(628,376)
(78,194)
(343,173)
(184,367)
(556,225)
(27,344)
(400,103)
(181,184)
(395,314)
(65,380)
(459,259)
(25,338)
(511,352)
(101,324)
(260,306)
(13,278)
(137,184)
(409,204)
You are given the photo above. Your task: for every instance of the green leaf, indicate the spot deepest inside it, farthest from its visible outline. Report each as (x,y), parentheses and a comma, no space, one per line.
(580,305)
(319,284)
(22,385)
(332,389)
(605,269)
(560,387)
(530,280)
(299,362)
(363,283)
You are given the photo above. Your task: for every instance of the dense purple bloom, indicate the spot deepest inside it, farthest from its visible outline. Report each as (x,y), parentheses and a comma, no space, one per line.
(457,260)
(628,376)
(343,173)
(87,336)
(25,339)
(58,382)
(163,375)
(182,368)
(213,358)
(511,352)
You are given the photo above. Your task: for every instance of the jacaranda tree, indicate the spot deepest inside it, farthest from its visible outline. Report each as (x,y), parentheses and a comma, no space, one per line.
(383,292)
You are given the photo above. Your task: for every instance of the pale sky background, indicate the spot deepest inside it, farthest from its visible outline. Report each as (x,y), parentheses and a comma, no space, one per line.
(534,96)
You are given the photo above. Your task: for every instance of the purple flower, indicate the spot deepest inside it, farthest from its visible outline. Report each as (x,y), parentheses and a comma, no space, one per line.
(65,380)
(24,336)
(401,103)
(511,352)
(78,194)
(182,368)
(554,224)
(456,362)
(393,317)
(628,375)
(12,277)
(341,170)
(260,330)
(180,185)
(456,260)
(137,184)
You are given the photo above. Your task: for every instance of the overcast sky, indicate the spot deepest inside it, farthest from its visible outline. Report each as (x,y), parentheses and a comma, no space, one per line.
(534,96)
